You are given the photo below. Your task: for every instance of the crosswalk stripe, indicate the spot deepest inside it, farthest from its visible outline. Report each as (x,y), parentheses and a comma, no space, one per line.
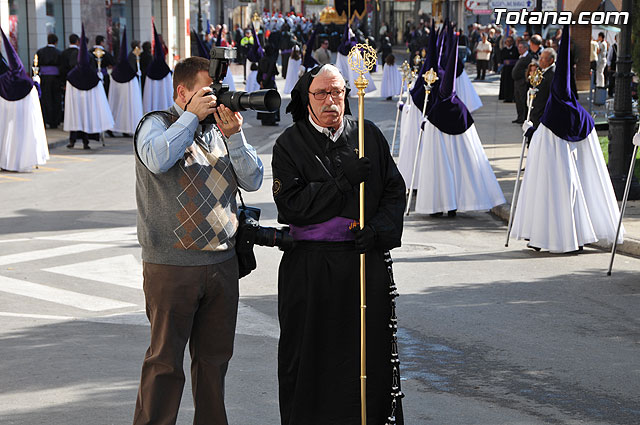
(48,253)
(117,234)
(122,270)
(59,296)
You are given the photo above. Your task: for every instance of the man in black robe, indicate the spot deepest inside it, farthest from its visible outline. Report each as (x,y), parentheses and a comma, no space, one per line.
(49,61)
(69,56)
(317,174)
(267,71)
(509,56)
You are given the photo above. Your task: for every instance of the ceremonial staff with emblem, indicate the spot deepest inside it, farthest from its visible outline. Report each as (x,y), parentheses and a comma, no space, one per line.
(534,79)
(407,76)
(320,165)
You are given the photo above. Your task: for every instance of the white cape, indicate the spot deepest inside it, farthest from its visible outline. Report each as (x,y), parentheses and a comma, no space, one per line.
(87,110)
(409,132)
(158,94)
(391,81)
(343,65)
(293,74)
(23,141)
(252,82)
(455,173)
(125,101)
(467,93)
(567,199)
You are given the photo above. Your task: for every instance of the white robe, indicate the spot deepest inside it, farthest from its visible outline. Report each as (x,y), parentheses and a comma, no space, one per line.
(87,110)
(409,132)
(252,82)
(158,94)
(467,93)
(567,199)
(293,71)
(228,79)
(125,101)
(391,81)
(455,173)
(23,141)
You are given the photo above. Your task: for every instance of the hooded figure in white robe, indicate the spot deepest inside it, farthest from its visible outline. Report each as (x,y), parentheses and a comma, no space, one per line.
(23,141)
(86,109)
(158,87)
(567,199)
(455,173)
(125,98)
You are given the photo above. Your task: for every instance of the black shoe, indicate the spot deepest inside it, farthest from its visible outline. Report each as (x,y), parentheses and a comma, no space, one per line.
(451,213)
(518,121)
(110,133)
(389,98)
(70,145)
(533,247)
(438,214)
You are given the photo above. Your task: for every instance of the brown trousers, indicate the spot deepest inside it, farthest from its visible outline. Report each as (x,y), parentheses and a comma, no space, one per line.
(196,304)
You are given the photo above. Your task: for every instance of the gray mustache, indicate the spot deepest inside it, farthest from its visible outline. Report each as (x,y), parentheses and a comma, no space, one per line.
(330,108)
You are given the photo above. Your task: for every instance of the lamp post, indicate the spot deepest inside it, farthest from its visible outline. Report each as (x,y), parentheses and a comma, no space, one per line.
(622,123)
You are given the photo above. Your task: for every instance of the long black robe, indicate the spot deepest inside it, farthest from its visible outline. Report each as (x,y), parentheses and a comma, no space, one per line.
(318,283)
(266,77)
(51,87)
(509,58)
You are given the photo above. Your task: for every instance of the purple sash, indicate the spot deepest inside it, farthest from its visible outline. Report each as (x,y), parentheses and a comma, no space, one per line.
(49,70)
(510,62)
(333,230)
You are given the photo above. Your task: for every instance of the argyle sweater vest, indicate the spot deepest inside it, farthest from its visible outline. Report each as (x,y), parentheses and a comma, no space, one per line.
(187,216)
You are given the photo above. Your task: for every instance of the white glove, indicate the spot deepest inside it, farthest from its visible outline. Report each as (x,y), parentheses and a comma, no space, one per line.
(400,104)
(636,139)
(526,126)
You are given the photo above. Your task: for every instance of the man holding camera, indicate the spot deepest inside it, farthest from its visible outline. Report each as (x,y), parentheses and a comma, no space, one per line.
(187,177)
(317,174)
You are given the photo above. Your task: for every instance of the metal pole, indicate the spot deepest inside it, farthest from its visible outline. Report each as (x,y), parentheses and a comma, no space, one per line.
(624,207)
(395,127)
(415,158)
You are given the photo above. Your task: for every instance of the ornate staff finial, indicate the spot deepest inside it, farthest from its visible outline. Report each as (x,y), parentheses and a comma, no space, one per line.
(99,53)
(362,58)
(430,77)
(535,78)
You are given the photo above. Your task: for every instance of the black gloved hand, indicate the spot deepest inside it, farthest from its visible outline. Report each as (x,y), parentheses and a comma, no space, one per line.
(356,171)
(365,239)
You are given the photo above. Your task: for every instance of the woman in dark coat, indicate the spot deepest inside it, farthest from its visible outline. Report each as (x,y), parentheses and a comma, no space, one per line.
(509,55)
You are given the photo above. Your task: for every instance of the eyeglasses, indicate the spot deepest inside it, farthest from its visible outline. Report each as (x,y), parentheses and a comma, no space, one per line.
(322,95)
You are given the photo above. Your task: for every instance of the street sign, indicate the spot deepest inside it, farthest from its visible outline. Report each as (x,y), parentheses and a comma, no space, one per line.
(478,7)
(512,4)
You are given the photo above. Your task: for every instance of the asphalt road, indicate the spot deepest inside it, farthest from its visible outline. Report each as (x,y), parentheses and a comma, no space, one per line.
(489,335)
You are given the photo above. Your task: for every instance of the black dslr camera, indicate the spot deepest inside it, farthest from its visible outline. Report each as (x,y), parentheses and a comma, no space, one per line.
(259,100)
(250,233)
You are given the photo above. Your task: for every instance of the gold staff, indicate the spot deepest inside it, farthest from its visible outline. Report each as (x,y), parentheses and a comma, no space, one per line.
(430,77)
(36,69)
(362,58)
(99,53)
(534,79)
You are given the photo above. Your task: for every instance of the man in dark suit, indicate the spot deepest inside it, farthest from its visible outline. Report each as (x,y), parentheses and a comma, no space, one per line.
(520,83)
(145,60)
(69,56)
(547,63)
(51,98)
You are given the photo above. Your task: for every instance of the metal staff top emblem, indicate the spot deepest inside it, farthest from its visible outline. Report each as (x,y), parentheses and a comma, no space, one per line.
(362,58)
(535,78)
(430,77)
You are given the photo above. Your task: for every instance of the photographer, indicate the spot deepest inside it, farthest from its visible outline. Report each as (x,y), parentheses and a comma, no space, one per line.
(186,196)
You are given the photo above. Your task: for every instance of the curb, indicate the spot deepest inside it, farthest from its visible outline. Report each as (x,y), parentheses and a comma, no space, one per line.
(630,246)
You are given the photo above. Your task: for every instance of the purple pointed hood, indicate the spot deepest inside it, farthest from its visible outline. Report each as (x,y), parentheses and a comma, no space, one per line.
(158,68)
(308,61)
(563,114)
(430,62)
(441,51)
(256,52)
(346,44)
(83,76)
(202,49)
(123,72)
(449,114)
(15,83)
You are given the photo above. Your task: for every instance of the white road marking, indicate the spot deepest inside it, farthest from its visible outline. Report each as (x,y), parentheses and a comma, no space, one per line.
(14,240)
(117,234)
(59,296)
(35,316)
(123,270)
(48,253)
